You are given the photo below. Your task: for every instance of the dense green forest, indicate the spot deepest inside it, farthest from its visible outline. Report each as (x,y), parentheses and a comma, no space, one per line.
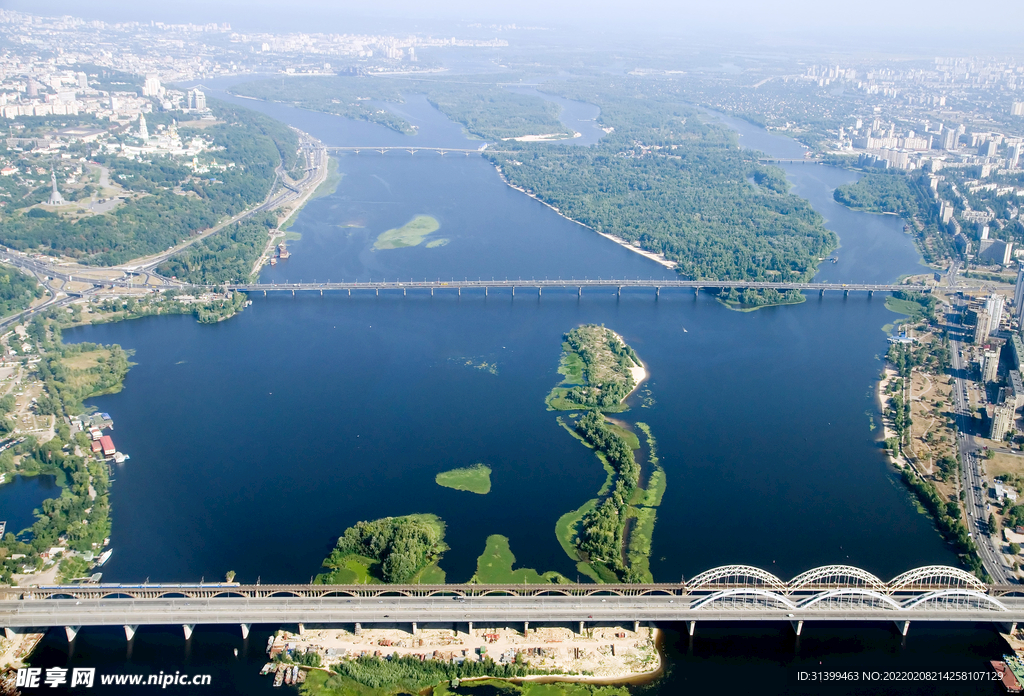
(675,182)
(169,203)
(17,290)
(397,547)
(485,108)
(599,537)
(228,256)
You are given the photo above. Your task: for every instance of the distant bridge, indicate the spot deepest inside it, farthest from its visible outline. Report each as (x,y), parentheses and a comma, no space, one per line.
(576,283)
(411,149)
(729,593)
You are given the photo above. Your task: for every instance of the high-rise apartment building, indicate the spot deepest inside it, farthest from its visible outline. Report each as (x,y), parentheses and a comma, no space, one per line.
(994,308)
(1002,420)
(1017,109)
(990,365)
(1018,293)
(151,87)
(981,327)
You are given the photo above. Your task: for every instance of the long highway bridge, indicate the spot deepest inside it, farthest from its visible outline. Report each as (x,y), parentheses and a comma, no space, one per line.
(729,593)
(577,284)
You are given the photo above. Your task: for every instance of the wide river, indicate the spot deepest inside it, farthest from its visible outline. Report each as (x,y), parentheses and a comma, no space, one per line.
(255,442)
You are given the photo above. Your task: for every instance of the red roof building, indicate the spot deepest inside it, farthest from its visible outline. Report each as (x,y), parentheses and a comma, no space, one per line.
(108,446)
(96,446)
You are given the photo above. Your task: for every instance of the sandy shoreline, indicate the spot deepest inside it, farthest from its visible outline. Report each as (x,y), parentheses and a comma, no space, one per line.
(639,372)
(657,258)
(544,137)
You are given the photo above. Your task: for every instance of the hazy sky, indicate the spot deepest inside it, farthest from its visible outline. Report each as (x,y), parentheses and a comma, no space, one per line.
(999,23)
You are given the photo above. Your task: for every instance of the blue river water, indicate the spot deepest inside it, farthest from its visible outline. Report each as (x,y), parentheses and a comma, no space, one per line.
(255,442)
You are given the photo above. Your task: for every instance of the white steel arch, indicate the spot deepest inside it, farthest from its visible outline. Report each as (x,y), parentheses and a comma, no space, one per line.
(744,598)
(735,575)
(965,600)
(935,576)
(836,576)
(852,597)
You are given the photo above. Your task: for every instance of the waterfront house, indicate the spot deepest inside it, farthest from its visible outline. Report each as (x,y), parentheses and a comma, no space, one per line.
(108,446)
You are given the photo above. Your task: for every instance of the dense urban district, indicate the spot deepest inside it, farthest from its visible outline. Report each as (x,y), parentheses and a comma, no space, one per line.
(124,193)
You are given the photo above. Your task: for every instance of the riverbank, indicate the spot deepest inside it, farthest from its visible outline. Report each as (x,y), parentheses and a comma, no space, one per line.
(599,655)
(657,258)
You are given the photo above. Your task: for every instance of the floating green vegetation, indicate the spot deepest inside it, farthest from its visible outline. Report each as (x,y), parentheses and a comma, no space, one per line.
(474,479)
(477,363)
(392,549)
(410,234)
(599,371)
(433,244)
(494,567)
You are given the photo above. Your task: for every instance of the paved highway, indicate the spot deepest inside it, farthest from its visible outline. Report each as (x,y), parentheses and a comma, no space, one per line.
(974,493)
(508,609)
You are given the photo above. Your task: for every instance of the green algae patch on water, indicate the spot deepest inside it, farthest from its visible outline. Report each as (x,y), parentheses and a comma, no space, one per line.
(494,567)
(474,479)
(410,234)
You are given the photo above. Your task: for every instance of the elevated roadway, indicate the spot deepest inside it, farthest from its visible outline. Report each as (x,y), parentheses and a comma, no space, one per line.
(731,593)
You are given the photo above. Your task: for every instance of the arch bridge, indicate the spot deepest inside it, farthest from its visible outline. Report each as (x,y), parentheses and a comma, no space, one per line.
(728,593)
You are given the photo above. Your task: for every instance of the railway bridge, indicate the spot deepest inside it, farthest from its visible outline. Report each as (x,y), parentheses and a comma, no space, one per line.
(729,593)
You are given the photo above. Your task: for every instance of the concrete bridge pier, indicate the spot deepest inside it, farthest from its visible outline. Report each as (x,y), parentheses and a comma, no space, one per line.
(696,291)
(321,292)
(903,627)
(1009,628)
(72,632)
(636,627)
(579,291)
(618,293)
(188,628)
(691,626)
(460,291)
(540,290)
(513,291)
(821,293)
(245,630)
(293,293)
(302,629)
(431,292)
(798,627)
(485,291)
(264,293)
(404,293)
(350,292)
(657,293)
(129,632)
(871,293)
(526,628)
(10,633)
(377,291)
(846,293)
(358,630)
(415,628)
(582,624)
(470,630)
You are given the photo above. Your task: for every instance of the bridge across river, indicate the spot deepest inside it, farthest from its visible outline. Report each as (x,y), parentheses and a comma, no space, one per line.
(730,593)
(619,284)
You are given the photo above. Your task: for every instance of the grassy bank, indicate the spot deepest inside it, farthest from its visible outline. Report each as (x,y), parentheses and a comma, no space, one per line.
(495,567)
(410,234)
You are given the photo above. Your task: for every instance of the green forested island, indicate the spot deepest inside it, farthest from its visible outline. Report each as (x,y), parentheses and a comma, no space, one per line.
(598,369)
(393,550)
(672,180)
(609,536)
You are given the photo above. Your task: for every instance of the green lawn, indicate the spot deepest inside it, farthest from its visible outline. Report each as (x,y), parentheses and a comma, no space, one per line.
(354,570)
(431,575)
(475,479)
(410,234)
(495,567)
